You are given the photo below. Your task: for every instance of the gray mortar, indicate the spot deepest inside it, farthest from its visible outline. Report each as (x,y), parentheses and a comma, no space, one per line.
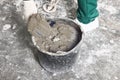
(59,37)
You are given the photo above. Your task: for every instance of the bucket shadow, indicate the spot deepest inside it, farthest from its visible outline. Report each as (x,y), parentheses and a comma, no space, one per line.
(22,34)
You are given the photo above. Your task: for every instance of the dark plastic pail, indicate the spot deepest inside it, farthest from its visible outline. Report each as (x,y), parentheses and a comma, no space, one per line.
(64,60)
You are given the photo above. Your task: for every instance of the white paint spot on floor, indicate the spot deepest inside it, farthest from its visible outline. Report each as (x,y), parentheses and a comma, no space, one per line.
(6,27)
(18,77)
(113,31)
(54,74)
(3,19)
(7,57)
(76,51)
(10,64)
(72,70)
(90,60)
(104,28)
(77,76)
(111,41)
(116,78)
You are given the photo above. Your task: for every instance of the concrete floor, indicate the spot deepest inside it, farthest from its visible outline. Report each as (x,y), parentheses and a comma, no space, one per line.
(99,51)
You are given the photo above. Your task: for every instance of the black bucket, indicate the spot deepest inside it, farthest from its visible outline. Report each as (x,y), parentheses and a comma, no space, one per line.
(63,61)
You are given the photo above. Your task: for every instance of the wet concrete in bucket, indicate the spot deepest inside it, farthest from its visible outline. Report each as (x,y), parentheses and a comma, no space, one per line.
(52,36)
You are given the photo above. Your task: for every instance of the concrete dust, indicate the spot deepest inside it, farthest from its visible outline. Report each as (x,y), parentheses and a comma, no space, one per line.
(59,37)
(99,52)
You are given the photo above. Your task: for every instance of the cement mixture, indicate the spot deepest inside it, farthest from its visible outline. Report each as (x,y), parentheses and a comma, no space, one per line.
(58,37)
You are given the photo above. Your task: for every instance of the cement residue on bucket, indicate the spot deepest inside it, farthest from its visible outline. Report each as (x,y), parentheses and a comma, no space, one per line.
(60,37)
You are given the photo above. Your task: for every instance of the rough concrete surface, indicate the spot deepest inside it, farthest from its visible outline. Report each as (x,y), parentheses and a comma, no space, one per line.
(99,52)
